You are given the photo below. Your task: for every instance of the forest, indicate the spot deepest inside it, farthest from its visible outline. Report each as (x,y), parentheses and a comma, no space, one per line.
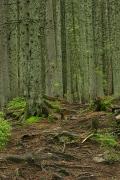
(59,89)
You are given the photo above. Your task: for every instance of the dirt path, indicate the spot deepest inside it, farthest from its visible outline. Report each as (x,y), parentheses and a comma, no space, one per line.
(53,151)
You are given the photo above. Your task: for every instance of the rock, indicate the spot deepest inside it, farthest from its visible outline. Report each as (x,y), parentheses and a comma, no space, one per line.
(117,117)
(100,158)
(74,117)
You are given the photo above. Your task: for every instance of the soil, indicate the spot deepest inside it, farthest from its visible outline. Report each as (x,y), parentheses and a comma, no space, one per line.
(45,151)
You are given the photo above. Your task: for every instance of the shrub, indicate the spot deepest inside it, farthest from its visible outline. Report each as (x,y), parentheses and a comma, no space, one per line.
(5,132)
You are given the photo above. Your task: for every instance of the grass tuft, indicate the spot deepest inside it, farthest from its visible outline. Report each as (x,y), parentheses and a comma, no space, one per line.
(106,140)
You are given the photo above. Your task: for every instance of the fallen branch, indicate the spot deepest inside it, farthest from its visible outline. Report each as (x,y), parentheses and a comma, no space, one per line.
(64,146)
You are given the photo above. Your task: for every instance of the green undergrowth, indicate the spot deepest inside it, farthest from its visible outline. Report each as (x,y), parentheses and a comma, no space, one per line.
(36,119)
(17,103)
(103,103)
(106,139)
(16,108)
(5,132)
(1,114)
(109,145)
(55,105)
(106,103)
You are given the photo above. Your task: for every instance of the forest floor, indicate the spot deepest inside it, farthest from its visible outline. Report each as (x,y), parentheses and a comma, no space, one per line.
(60,149)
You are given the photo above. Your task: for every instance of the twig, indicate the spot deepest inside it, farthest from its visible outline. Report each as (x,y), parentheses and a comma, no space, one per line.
(64,146)
(90,135)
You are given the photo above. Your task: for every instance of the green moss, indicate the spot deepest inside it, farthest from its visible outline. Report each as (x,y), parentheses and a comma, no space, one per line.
(32,119)
(55,105)
(5,132)
(106,140)
(16,104)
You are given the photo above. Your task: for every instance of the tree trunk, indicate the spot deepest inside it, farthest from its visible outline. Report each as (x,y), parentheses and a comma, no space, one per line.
(66,48)
(4,74)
